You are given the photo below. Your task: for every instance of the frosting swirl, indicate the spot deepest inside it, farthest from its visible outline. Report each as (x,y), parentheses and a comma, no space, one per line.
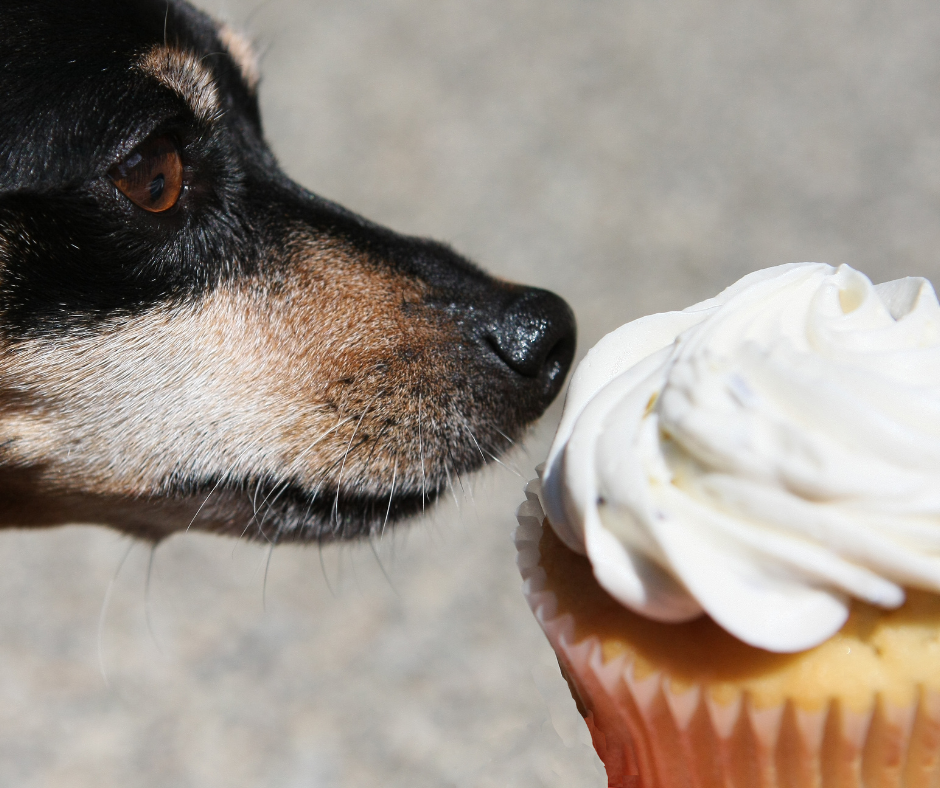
(762,456)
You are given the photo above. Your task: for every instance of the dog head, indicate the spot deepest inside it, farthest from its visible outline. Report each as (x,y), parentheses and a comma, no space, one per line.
(190,339)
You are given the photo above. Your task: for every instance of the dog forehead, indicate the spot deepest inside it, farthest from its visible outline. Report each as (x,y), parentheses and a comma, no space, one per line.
(78,79)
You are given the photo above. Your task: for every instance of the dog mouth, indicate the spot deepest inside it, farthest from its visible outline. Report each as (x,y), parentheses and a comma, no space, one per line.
(368,486)
(287,511)
(391,447)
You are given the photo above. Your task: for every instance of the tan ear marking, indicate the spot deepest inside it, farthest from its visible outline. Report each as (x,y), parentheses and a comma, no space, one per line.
(243,53)
(186,76)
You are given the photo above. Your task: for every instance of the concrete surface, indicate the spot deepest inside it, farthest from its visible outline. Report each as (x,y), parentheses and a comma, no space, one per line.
(632,156)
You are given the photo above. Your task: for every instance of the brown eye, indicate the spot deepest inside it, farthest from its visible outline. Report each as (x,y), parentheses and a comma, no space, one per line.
(152,176)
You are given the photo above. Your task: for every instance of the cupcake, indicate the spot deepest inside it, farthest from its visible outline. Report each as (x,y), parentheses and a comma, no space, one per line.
(734,548)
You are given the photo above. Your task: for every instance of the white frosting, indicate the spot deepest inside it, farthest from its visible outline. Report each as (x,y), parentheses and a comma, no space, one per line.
(762,456)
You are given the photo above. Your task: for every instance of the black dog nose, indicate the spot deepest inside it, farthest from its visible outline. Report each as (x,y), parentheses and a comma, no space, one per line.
(535,336)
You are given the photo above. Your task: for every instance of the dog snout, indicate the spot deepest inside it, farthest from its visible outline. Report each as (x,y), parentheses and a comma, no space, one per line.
(535,337)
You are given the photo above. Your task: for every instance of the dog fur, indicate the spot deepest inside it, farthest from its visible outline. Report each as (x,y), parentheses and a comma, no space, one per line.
(254,360)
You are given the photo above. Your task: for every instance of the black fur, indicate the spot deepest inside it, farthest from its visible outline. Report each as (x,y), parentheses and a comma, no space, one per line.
(75,252)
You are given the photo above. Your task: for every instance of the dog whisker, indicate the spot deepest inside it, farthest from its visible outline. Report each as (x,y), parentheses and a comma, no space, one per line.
(216,487)
(244,530)
(323,435)
(505,462)
(382,568)
(391,495)
(450,484)
(460,482)
(254,500)
(264,584)
(102,616)
(313,498)
(147,611)
(376,442)
(253,519)
(263,533)
(278,489)
(212,54)
(339,481)
(508,440)
(326,577)
(325,473)
(467,490)
(483,452)
(469,432)
(283,486)
(514,444)
(260,522)
(498,461)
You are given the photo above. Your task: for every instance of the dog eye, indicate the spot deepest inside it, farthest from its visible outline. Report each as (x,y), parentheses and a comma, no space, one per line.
(152,175)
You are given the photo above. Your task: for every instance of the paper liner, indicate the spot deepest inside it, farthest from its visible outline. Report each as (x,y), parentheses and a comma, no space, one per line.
(650,735)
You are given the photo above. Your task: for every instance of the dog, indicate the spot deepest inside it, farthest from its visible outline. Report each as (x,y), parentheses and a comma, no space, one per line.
(191,340)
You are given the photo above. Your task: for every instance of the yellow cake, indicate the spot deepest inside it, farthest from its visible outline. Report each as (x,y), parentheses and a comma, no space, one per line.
(672,705)
(735,546)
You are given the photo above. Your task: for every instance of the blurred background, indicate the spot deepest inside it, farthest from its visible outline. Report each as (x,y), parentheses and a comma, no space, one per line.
(631,156)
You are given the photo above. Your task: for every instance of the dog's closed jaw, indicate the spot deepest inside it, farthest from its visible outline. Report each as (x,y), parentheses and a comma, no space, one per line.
(256,359)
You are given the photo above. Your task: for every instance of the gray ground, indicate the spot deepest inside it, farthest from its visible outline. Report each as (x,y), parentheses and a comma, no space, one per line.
(632,156)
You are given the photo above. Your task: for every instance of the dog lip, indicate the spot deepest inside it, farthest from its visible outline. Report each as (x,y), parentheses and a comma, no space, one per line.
(298,513)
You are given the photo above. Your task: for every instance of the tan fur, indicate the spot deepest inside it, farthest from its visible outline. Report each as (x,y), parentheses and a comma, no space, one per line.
(242,53)
(183,73)
(323,380)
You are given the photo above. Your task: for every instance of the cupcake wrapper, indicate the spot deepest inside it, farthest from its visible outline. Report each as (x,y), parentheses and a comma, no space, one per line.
(649,735)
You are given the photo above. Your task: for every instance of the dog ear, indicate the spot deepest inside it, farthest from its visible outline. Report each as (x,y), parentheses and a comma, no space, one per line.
(244,55)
